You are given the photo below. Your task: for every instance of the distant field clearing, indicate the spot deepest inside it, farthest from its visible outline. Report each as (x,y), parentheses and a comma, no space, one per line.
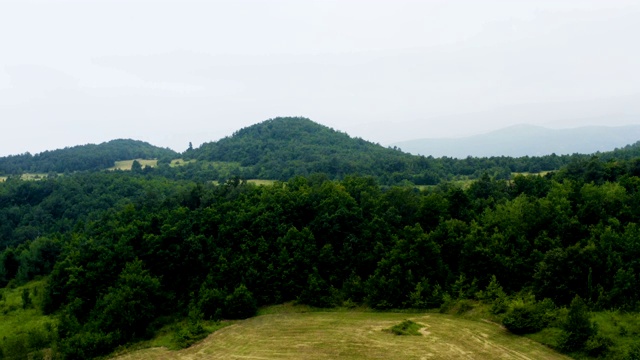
(541,173)
(180,162)
(261,182)
(126,164)
(355,335)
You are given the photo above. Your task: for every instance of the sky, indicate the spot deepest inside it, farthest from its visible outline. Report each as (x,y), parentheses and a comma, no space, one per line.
(178,71)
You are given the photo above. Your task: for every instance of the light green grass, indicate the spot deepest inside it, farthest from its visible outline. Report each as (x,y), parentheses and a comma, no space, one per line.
(17,322)
(126,164)
(166,337)
(261,182)
(621,327)
(34,176)
(13,318)
(3,178)
(287,333)
(463,184)
(181,162)
(541,173)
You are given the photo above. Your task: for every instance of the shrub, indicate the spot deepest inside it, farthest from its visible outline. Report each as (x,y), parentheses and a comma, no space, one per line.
(462,306)
(578,328)
(240,304)
(406,327)
(26,299)
(597,345)
(523,319)
(633,353)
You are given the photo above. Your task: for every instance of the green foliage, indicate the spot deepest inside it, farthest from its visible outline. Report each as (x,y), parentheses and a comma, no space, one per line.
(82,157)
(240,304)
(26,299)
(184,337)
(495,296)
(130,306)
(529,316)
(578,327)
(121,250)
(407,327)
(633,353)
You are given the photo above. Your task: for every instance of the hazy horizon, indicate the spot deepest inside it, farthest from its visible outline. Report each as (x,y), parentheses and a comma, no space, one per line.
(174,72)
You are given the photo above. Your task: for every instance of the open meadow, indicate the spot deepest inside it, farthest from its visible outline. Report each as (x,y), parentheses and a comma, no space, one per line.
(126,164)
(355,335)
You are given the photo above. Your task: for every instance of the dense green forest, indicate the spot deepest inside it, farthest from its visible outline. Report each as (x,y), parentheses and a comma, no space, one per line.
(285,147)
(83,157)
(120,252)
(281,148)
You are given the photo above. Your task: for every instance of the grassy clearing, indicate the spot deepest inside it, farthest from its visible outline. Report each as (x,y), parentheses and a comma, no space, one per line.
(541,173)
(463,184)
(126,164)
(169,337)
(181,162)
(24,326)
(33,176)
(354,335)
(13,317)
(261,182)
(29,176)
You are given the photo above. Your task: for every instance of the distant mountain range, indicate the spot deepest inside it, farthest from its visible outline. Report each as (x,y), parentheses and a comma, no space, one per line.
(527,140)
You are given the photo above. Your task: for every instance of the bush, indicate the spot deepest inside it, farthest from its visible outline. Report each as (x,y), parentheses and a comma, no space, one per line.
(463,306)
(26,299)
(86,345)
(633,353)
(597,345)
(406,327)
(578,327)
(523,319)
(240,304)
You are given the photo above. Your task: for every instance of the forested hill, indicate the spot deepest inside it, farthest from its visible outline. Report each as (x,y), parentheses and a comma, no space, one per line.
(83,157)
(283,147)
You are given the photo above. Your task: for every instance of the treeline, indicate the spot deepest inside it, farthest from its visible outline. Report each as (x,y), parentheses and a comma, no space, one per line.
(281,148)
(221,251)
(60,204)
(83,157)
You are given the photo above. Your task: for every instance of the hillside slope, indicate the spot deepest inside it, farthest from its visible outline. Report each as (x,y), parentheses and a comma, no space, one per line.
(282,147)
(527,140)
(356,335)
(83,157)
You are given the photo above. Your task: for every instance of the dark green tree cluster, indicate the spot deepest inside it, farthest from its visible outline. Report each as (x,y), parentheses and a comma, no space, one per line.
(224,250)
(124,249)
(281,148)
(83,157)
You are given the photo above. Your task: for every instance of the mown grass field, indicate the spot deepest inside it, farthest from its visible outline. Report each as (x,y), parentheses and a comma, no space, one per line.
(126,164)
(355,335)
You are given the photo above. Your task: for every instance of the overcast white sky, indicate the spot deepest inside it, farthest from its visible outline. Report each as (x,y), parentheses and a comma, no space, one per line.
(174,71)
